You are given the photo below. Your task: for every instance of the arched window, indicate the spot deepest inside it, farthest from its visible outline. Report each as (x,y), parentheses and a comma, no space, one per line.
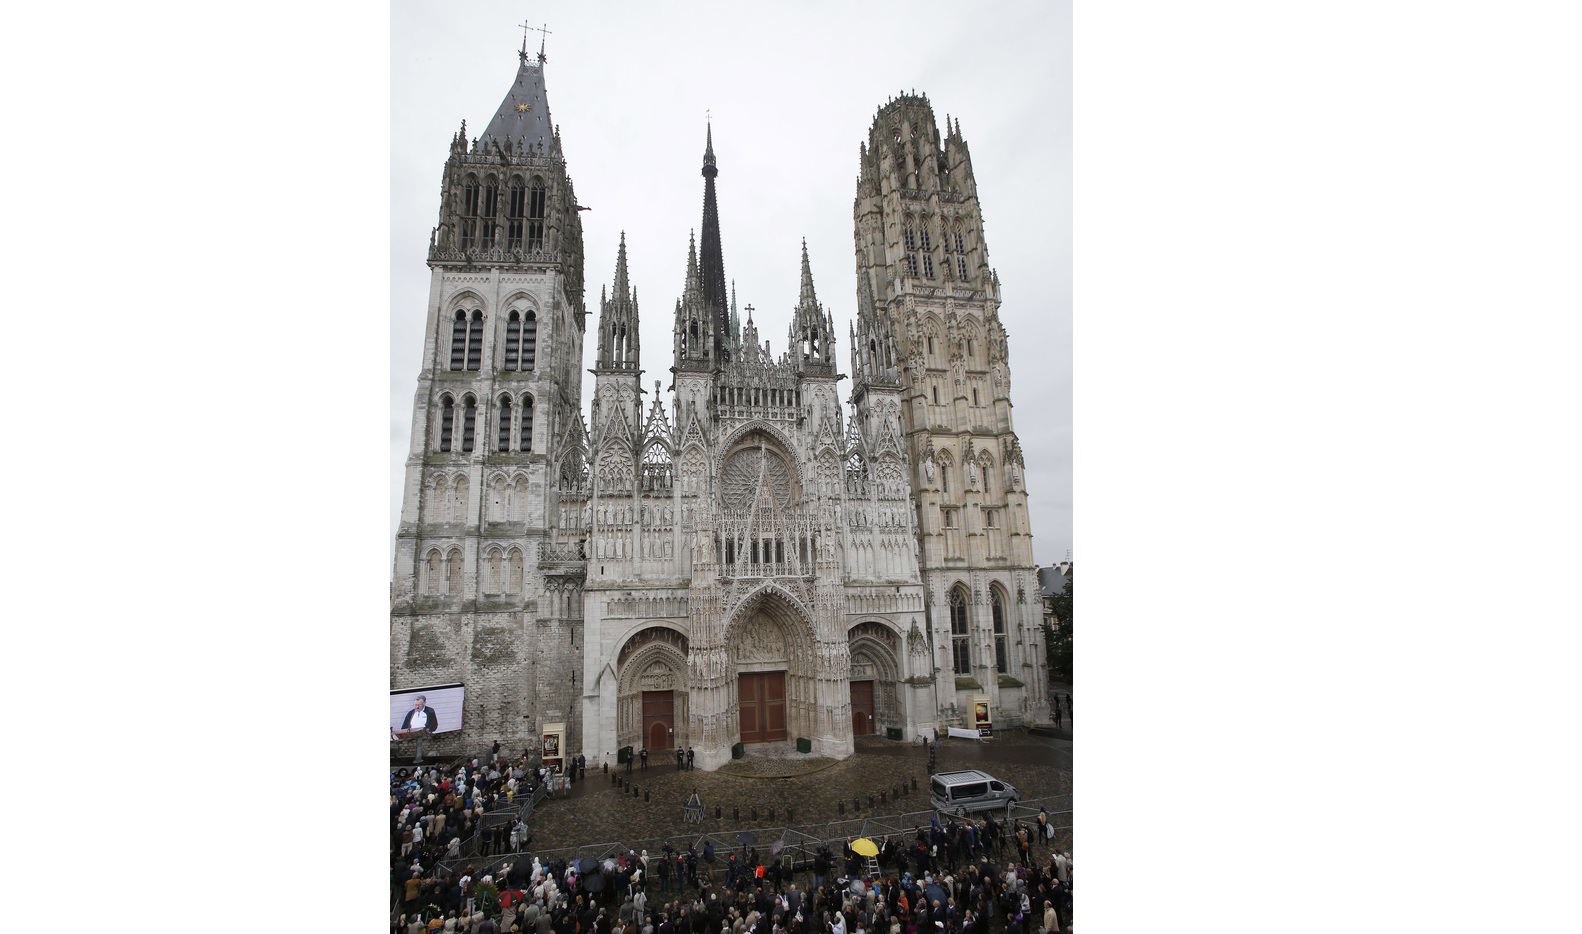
(453,572)
(458,341)
(516,571)
(469,213)
(515,211)
(469,424)
(960,650)
(494,571)
(504,441)
(527,425)
(491,210)
(458,506)
(513,340)
(474,341)
(447,422)
(1001,659)
(529,340)
(435,575)
(535,215)
(944,477)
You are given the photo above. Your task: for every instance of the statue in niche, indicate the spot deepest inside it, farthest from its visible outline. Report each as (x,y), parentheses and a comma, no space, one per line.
(928,468)
(972,473)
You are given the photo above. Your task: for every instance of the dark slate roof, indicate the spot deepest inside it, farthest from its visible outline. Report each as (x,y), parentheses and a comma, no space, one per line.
(512,122)
(1050,581)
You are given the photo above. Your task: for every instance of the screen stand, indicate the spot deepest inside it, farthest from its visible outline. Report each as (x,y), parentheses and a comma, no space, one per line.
(419,759)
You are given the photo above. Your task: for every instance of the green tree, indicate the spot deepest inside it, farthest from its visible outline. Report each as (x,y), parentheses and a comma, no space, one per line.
(1057,638)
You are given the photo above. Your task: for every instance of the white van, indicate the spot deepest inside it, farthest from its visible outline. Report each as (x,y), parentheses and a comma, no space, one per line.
(968,791)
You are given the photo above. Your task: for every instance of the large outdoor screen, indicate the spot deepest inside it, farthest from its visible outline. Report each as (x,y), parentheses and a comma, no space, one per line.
(442,705)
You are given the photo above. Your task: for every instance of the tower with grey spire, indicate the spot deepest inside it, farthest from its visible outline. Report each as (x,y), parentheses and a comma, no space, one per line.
(486,590)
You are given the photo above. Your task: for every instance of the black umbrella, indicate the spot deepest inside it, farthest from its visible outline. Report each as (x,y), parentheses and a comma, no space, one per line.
(594,883)
(587,864)
(935,894)
(746,837)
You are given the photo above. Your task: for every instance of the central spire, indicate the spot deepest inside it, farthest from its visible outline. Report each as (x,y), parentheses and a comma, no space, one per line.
(713,261)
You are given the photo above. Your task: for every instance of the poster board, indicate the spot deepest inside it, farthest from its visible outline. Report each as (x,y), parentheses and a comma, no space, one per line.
(982,719)
(553,741)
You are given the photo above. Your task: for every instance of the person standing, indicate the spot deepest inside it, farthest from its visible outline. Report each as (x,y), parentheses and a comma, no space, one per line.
(643,755)
(681,758)
(1059,720)
(689,758)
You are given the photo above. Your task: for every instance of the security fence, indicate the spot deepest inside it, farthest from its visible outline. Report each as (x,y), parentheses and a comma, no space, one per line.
(798,844)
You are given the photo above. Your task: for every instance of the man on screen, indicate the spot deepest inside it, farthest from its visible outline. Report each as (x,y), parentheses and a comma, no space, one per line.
(420,717)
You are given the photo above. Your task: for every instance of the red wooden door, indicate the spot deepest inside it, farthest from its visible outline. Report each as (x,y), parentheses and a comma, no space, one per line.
(862,708)
(761,706)
(659,719)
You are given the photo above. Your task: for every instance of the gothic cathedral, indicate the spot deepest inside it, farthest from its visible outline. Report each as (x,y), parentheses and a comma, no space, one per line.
(753,563)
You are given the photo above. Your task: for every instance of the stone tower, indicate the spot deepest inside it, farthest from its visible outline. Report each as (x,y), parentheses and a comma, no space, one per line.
(923,267)
(483,592)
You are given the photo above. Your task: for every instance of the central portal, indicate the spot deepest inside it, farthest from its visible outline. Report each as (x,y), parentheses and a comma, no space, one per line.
(762,704)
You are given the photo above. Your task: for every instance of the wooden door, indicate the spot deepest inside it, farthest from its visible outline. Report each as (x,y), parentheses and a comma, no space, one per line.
(761,706)
(862,708)
(659,719)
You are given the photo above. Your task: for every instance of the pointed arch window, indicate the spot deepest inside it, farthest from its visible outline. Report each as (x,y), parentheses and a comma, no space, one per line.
(1001,659)
(491,210)
(515,212)
(961,267)
(453,572)
(469,213)
(537,201)
(458,341)
(960,649)
(475,341)
(494,571)
(447,422)
(504,441)
(469,424)
(529,340)
(436,573)
(516,571)
(513,340)
(527,424)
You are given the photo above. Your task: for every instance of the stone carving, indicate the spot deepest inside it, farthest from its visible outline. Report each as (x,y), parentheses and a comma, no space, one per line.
(760,641)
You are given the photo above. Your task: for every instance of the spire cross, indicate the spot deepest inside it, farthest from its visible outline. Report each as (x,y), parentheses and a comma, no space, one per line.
(541,39)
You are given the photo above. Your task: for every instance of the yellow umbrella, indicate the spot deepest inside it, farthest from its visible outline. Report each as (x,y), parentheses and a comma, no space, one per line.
(864,847)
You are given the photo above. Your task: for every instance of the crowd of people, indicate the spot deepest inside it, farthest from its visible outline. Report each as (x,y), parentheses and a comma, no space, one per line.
(955,876)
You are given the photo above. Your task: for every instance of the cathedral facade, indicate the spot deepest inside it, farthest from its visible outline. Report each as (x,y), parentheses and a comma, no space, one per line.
(752,560)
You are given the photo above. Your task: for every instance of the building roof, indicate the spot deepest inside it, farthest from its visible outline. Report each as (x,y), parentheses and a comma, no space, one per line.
(1051,581)
(524,114)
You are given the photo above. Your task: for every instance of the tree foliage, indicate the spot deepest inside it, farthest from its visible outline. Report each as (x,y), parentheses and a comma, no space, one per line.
(1057,639)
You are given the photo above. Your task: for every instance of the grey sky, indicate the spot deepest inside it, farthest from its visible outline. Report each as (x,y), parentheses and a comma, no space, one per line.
(792,90)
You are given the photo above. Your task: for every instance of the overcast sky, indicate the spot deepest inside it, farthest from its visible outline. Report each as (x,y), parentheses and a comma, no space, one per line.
(792,91)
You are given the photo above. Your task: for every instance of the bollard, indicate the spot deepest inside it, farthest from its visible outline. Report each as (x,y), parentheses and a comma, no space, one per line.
(840,807)
(870,800)
(736,812)
(855,804)
(882,798)
(755,812)
(914,783)
(716,812)
(645,796)
(771,813)
(789,816)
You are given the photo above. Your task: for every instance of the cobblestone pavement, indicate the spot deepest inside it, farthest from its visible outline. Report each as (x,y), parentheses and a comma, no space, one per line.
(598,812)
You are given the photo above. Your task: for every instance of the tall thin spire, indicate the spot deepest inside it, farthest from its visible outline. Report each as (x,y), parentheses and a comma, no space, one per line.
(712,259)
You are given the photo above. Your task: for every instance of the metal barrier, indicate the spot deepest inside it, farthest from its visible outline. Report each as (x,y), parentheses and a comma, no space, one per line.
(803,841)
